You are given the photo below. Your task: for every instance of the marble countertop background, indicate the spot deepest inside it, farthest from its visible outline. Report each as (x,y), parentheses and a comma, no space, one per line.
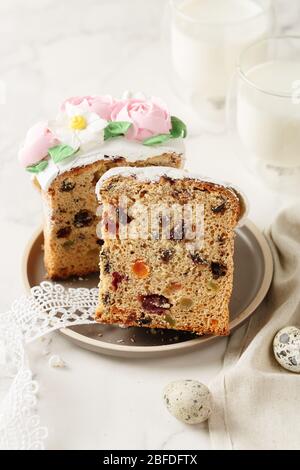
(51,49)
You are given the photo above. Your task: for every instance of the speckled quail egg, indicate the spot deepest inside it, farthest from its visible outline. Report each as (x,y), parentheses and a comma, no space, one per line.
(286,347)
(189,401)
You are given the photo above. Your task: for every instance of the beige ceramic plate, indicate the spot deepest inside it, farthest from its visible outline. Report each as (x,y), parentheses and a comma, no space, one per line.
(252,279)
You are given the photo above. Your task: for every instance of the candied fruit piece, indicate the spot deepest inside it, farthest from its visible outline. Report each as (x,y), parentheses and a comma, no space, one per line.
(185,302)
(63,232)
(67,186)
(140,269)
(214,323)
(68,244)
(155,303)
(117,278)
(83,218)
(170,320)
(213,285)
(166,255)
(173,287)
(218,269)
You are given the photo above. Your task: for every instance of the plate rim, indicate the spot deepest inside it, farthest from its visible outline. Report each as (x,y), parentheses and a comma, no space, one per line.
(111,348)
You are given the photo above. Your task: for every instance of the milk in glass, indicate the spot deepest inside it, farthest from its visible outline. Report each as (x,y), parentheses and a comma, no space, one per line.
(268,112)
(207,37)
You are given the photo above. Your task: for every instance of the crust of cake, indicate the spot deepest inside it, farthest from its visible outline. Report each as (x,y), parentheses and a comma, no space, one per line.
(71,247)
(186,290)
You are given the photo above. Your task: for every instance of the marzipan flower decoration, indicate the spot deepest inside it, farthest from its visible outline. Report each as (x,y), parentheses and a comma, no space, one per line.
(78,126)
(86,122)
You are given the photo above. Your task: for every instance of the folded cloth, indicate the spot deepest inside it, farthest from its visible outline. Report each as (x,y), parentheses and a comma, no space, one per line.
(257,402)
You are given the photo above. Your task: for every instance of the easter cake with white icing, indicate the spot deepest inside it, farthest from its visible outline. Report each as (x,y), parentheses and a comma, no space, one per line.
(68,155)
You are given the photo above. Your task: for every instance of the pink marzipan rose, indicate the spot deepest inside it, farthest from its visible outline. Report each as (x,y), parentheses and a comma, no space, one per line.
(37,143)
(101,105)
(149,117)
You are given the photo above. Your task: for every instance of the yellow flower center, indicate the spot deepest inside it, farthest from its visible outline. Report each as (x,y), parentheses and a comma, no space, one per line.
(78,123)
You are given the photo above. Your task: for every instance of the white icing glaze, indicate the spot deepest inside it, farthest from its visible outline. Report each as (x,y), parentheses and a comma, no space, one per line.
(153,174)
(132,151)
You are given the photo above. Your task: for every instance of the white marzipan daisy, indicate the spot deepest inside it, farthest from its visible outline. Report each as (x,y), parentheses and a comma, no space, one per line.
(77,126)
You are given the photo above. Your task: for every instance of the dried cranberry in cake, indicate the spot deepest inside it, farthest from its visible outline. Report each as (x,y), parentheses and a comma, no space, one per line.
(166,255)
(140,269)
(218,269)
(197,258)
(63,232)
(83,218)
(67,186)
(155,303)
(117,278)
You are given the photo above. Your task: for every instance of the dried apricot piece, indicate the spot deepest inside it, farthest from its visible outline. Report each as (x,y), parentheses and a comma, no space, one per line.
(140,269)
(173,287)
(214,324)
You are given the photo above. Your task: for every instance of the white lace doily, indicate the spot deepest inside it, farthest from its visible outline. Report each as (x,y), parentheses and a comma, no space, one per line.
(48,307)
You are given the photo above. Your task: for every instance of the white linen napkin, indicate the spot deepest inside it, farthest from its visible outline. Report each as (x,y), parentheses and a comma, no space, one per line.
(257,402)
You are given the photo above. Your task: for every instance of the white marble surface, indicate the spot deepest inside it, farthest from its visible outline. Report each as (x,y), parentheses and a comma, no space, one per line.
(51,49)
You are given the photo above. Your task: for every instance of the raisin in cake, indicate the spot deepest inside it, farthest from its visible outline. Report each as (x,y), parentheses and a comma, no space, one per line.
(67,157)
(160,276)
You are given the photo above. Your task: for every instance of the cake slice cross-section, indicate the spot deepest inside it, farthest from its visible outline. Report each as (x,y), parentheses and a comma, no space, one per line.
(167,254)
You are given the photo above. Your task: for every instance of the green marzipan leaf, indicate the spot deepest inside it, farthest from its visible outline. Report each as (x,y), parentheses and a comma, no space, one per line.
(116,128)
(60,152)
(157,139)
(38,167)
(178,128)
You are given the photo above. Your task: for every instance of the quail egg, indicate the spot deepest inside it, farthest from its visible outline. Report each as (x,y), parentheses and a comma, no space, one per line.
(189,401)
(286,347)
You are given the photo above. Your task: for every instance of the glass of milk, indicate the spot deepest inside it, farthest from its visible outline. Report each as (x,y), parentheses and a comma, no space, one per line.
(206,38)
(268,110)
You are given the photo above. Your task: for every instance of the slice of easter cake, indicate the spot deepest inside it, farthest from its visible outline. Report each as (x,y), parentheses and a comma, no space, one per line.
(167,256)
